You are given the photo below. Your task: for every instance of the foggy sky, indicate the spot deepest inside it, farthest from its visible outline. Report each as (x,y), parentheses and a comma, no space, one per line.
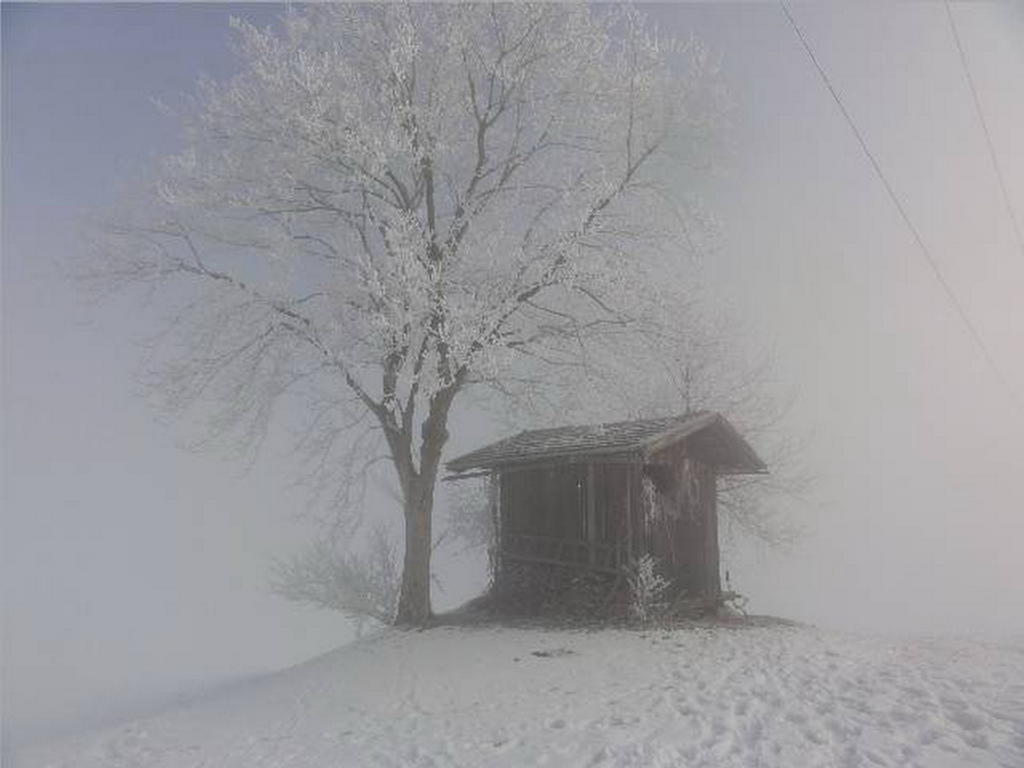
(133,569)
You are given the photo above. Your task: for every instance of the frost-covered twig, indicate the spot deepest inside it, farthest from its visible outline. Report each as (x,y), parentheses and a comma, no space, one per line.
(646,586)
(361,585)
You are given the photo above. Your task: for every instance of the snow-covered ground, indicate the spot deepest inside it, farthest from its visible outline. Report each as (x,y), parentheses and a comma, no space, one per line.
(706,696)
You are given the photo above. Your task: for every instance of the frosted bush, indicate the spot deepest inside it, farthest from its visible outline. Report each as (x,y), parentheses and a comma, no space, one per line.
(646,586)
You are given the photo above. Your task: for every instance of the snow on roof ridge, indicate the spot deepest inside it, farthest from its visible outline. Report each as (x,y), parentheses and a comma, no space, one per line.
(612,436)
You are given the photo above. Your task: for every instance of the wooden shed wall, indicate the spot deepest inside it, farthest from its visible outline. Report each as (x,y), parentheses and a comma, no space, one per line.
(544,501)
(592,504)
(614,512)
(686,524)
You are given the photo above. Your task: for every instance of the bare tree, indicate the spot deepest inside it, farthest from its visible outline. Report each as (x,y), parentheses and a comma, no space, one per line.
(707,368)
(700,366)
(703,365)
(392,204)
(360,586)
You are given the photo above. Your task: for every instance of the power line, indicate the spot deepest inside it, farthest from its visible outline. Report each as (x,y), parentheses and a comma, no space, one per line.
(932,263)
(985,130)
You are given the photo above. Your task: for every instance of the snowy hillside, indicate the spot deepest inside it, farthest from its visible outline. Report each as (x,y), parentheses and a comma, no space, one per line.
(753,696)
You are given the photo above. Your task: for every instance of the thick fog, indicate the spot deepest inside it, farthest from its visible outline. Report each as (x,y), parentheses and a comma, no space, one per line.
(134,570)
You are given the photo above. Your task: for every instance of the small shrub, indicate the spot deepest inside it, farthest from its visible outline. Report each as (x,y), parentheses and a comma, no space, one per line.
(362,586)
(646,586)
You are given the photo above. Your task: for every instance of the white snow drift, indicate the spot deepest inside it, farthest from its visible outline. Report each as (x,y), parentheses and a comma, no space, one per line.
(706,696)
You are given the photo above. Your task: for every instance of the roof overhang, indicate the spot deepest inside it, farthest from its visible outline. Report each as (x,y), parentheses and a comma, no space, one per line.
(712,438)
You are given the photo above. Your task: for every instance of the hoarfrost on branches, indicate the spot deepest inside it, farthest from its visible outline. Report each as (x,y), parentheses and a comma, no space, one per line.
(646,586)
(362,586)
(471,514)
(391,205)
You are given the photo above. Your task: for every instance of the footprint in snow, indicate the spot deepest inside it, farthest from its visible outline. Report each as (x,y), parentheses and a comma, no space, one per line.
(967,720)
(797,718)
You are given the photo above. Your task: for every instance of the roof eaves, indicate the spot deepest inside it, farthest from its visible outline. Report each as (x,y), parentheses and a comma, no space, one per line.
(467,462)
(666,438)
(756,464)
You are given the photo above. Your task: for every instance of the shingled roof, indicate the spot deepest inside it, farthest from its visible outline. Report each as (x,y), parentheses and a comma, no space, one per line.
(713,439)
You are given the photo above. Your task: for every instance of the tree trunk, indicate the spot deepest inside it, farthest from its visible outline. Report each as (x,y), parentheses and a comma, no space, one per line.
(414,598)
(418,487)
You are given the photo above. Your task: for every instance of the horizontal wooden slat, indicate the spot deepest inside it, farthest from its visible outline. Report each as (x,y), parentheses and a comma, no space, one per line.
(556,551)
(550,561)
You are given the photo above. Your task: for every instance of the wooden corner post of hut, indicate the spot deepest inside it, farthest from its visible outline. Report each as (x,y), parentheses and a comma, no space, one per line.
(593,499)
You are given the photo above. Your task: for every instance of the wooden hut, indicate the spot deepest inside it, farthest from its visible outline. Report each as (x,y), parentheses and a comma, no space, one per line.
(593,499)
